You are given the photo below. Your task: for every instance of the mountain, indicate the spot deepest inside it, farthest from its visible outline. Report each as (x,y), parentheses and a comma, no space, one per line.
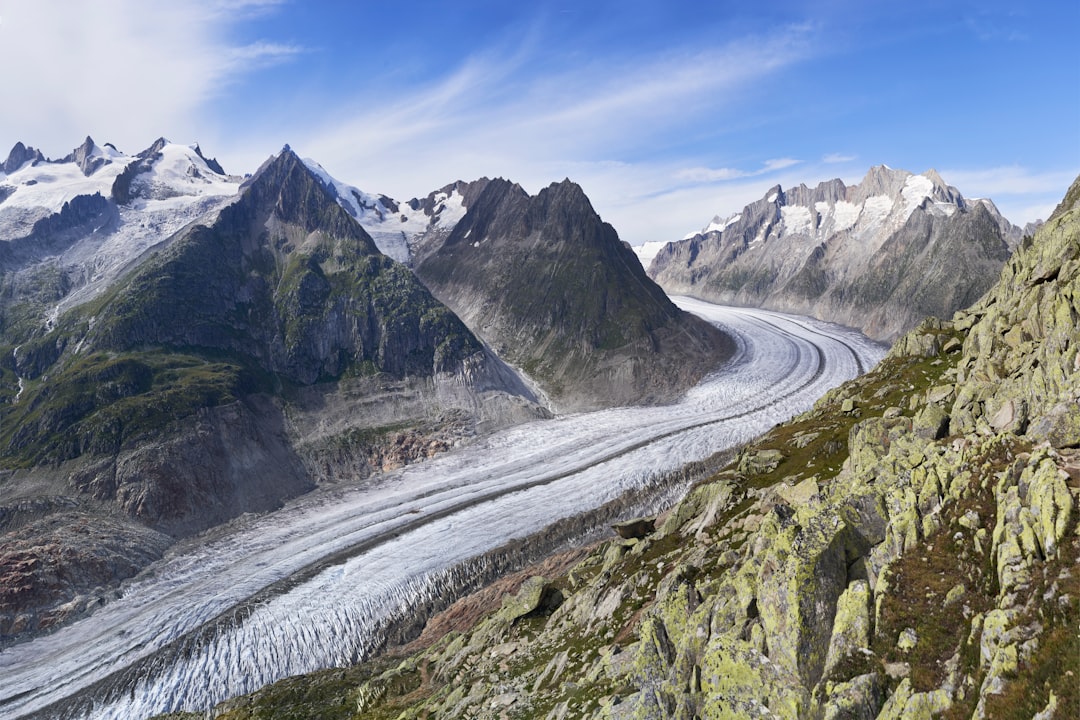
(906,549)
(179,348)
(606,337)
(551,288)
(71,227)
(879,256)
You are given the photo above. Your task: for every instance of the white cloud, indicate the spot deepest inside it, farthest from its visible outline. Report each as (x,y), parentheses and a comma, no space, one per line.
(833,158)
(490,116)
(123,71)
(712,175)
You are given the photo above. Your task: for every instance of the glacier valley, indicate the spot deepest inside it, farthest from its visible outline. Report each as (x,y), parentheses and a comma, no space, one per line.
(315,584)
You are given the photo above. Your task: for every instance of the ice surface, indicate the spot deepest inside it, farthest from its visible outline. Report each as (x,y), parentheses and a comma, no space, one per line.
(419,523)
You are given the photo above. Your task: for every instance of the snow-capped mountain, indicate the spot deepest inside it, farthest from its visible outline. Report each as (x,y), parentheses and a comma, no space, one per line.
(87,217)
(874,255)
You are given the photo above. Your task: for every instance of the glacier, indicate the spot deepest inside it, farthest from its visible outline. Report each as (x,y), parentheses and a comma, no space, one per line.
(314,584)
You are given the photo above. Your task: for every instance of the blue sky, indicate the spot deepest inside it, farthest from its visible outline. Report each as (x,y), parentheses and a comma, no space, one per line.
(667,113)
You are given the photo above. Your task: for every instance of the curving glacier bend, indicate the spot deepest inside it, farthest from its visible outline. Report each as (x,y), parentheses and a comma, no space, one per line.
(310,586)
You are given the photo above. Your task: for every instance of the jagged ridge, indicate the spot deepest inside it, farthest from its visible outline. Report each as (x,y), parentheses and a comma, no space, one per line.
(880,255)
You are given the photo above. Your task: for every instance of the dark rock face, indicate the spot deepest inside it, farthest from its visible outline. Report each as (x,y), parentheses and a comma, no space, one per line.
(280,286)
(51,235)
(424,245)
(19,156)
(879,256)
(212,163)
(84,157)
(551,288)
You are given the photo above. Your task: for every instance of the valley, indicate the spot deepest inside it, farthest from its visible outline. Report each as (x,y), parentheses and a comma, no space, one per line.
(321,582)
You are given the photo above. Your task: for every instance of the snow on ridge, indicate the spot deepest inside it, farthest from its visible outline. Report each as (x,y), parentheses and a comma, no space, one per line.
(178,177)
(358,203)
(845,214)
(719,225)
(648,250)
(51,184)
(874,210)
(796,218)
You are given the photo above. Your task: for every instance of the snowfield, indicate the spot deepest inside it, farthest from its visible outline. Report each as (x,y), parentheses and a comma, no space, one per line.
(311,585)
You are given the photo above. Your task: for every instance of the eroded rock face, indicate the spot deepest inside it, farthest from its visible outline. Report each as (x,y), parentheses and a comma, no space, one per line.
(880,256)
(59,567)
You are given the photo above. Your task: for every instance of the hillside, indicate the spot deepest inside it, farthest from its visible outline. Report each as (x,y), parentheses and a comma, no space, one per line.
(550,288)
(906,549)
(879,256)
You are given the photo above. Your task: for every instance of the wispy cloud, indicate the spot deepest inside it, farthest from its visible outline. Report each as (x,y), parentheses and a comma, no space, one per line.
(835,158)
(124,71)
(492,115)
(712,175)
(1019,193)
(1007,180)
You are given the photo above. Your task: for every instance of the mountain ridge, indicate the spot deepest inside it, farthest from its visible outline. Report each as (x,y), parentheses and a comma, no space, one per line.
(251,346)
(809,250)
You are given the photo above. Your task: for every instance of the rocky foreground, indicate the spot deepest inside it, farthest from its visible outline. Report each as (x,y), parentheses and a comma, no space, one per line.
(907,549)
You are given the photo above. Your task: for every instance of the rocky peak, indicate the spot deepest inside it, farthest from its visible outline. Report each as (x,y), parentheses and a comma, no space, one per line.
(432,204)
(549,285)
(830,191)
(285,187)
(880,180)
(88,156)
(19,156)
(211,163)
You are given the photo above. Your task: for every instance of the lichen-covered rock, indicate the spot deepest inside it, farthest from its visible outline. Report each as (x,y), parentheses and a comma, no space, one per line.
(857,699)
(537,595)
(851,628)
(906,704)
(921,575)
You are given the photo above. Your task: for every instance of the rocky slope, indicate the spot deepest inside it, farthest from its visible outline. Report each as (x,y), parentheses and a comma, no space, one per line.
(880,256)
(549,286)
(909,548)
(202,369)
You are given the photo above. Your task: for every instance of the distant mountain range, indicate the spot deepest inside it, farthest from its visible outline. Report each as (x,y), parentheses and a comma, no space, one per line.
(879,256)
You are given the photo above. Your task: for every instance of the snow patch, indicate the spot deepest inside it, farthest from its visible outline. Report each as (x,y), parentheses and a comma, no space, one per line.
(796,218)
(874,210)
(649,250)
(845,215)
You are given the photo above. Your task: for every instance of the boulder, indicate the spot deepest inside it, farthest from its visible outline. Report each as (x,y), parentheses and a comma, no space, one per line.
(636,528)
(537,596)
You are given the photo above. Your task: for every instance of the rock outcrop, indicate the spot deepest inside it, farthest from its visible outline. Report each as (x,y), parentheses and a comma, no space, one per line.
(906,549)
(20,155)
(880,256)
